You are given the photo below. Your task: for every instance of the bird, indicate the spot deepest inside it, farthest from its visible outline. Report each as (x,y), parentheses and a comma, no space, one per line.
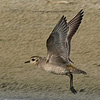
(58,46)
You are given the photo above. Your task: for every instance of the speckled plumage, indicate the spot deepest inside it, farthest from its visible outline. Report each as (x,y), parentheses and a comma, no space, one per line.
(58,49)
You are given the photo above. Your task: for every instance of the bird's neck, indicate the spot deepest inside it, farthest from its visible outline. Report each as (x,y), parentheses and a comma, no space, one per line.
(41,62)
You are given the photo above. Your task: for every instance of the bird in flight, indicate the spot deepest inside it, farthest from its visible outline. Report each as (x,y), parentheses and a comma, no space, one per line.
(58,49)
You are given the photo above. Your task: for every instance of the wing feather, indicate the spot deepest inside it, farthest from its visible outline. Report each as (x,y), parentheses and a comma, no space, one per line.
(73,26)
(56,43)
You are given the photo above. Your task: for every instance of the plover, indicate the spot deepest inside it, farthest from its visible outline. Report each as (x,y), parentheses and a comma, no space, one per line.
(58,49)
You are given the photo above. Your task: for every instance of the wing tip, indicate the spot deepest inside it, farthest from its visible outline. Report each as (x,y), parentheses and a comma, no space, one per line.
(63,17)
(81,12)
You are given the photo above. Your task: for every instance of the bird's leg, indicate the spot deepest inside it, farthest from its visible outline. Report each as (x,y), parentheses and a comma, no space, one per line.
(71,83)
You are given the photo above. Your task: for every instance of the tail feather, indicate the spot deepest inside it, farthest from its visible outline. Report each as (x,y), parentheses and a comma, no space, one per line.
(75,70)
(78,71)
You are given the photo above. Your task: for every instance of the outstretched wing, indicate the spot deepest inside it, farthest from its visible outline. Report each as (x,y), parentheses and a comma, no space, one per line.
(73,26)
(56,43)
(59,42)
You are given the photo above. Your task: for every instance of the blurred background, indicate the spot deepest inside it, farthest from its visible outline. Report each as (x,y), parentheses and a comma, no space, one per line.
(25,26)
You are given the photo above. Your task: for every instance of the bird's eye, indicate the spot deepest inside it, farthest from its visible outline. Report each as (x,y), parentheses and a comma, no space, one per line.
(33,59)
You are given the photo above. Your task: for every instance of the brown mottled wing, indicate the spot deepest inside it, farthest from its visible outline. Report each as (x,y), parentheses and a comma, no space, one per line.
(56,43)
(73,26)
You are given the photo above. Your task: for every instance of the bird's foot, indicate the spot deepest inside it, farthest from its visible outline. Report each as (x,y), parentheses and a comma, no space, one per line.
(73,90)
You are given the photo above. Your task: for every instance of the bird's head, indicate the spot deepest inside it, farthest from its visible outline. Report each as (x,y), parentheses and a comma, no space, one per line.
(34,60)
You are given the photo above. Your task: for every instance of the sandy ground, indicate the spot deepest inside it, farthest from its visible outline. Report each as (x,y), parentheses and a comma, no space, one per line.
(24,27)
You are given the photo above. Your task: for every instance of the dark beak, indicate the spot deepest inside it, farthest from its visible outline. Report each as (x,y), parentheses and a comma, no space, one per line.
(27,62)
